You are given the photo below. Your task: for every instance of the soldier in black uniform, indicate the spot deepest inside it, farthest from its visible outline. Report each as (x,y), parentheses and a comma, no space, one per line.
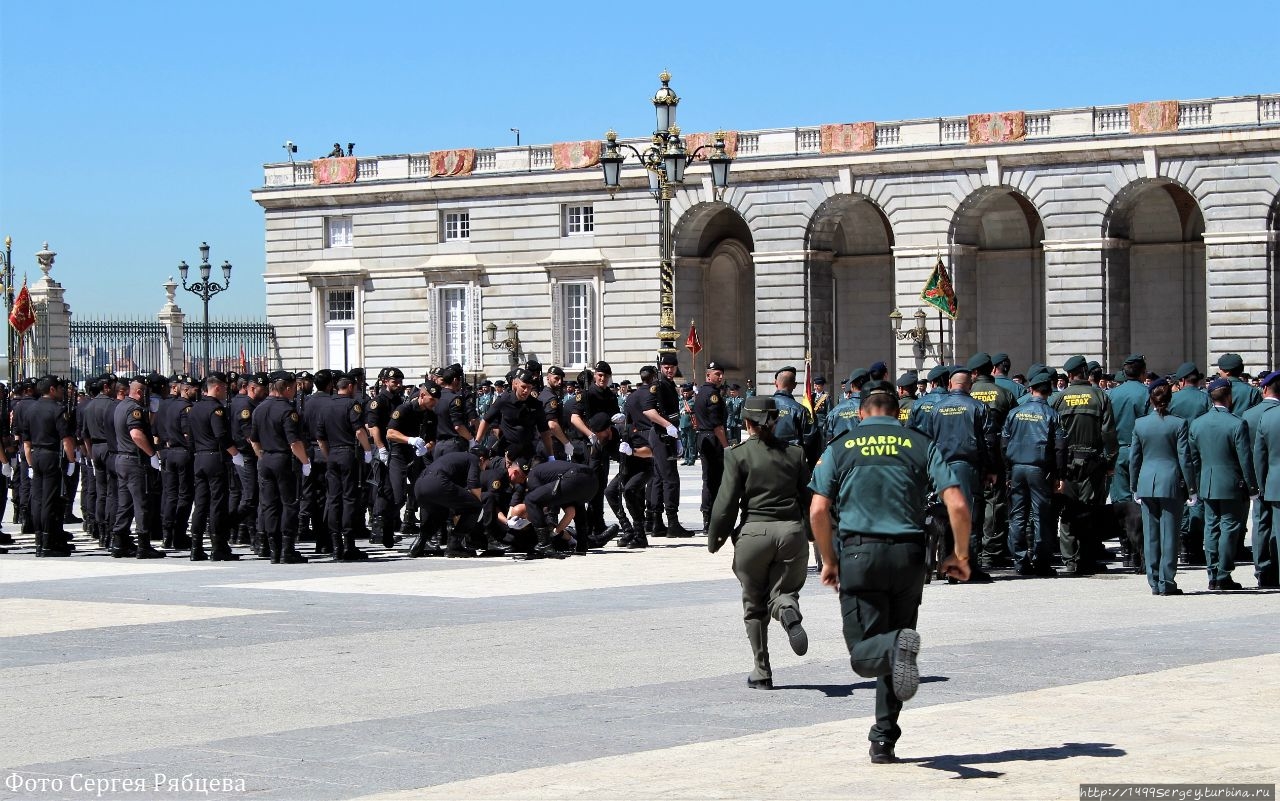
(7,459)
(661,405)
(247,518)
(23,396)
(340,432)
(96,417)
(550,486)
(453,421)
(518,417)
(450,488)
(137,467)
(411,437)
(558,417)
(50,451)
(635,468)
(377,418)
(312,489)
(709,415)
(207,431)
(177,475)
(588,403)
(276,436)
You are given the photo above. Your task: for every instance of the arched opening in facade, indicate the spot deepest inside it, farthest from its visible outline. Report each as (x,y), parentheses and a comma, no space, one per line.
(715,287)
(1156,267)
(850,246)
(998,272)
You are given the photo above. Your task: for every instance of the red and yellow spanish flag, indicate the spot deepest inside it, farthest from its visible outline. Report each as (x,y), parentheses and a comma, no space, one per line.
(23,315)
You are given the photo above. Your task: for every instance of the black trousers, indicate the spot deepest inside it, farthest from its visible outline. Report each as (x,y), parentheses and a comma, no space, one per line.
(571,489)
(46,489)
(439,499)
(278,496)
(209,474)
(628,486)
(313,488)
(247,510)
(105,486)
(666,474)
(342,490)
(138,498)
(177,481)
(24,485)
(712,456)
(88,491)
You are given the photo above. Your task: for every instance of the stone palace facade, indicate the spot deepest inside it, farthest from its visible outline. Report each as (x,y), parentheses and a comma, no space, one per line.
(1151,227)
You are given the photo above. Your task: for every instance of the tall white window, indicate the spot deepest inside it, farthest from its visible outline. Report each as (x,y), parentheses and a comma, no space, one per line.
(340,328)
(574,322)
(579,219)
(337,233)
(456,225)
(454,324)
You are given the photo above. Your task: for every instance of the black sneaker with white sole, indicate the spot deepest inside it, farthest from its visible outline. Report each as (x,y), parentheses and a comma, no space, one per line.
(906,673)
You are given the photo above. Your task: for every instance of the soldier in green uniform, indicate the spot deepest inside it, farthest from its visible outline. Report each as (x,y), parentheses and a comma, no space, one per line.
(1266,460)
(1001,368)
(1220,445)
(876,479)
(1161,478)
(821,402)
(1091,446)
(906,396)
(923,407)
(1189,401)
(1261,512)
(1035,451)
(1244,396)
(733,414)
(1129,401)
(995,520)
(767,479)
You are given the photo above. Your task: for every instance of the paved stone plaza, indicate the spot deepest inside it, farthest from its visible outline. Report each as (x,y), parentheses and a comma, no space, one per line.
(617,675)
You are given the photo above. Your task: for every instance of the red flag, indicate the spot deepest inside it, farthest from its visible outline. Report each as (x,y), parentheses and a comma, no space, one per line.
(23,315)
(692,342)
(244,366)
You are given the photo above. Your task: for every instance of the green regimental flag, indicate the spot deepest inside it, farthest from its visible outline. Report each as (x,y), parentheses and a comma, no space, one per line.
(938,291)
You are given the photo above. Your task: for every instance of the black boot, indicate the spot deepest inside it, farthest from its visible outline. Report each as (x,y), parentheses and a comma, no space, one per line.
(655,527)
(167,540)
(181,540)
(494,546)
(457,547)
(122,547)
(543,548)
(145,551)
(608,534)
(197,548)
(69,517)
(375,529)
(674,529)
(419,547)
(221,548)
(638,541)
(289,554)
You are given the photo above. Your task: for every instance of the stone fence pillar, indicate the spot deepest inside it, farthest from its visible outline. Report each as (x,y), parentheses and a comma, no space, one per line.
(174,320)
(52,338)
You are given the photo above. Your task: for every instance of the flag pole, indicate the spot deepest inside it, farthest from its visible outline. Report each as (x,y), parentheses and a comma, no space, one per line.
(694,327)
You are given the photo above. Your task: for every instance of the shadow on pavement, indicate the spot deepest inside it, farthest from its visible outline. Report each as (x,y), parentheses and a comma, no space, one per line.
(962,764)
(846,690)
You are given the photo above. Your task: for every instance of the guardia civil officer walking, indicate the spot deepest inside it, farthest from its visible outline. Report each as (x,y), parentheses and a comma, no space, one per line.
(1035,449)
(876,478)
(1162,476)
(766,480)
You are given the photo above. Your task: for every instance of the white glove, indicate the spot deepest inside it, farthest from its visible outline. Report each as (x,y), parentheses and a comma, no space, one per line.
(1136,499)
(421,451)
(1252,497)
(418,443)
(679,448)
(155,461)
(1193,500)
(238,460)
(516,523)
(673,432)
(71,468)
(618,418)
(625,448)
(594,440)
(306,469)
(383,456)
(6,470)
(475,443)
(551,458)
(368,457)
(31,473)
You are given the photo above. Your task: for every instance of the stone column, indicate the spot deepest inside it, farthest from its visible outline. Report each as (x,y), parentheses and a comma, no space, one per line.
(1086,300)
(821,316)
(780,324)
(173,319)
(1240,299)
(55,338)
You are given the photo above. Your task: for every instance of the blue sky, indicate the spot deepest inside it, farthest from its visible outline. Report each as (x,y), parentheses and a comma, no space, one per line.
(130,132)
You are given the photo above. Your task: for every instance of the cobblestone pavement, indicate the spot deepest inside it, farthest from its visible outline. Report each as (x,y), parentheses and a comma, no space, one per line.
(620,674)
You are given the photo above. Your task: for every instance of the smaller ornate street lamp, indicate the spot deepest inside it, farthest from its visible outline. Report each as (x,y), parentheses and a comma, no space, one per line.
(511,344)
(918,334)
(205,289)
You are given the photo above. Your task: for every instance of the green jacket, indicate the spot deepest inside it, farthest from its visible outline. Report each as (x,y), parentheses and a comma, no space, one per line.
(1252,418)
(1160,463)
(1129,401)
(1266,455)
(1220,443)
(1244,396)
(763,483)
(1189,403)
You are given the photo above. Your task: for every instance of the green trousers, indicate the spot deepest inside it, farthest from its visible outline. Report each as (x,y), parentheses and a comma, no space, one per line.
(881,584)
(1223,526)
(1160,522)
(771,561)
(1265,564)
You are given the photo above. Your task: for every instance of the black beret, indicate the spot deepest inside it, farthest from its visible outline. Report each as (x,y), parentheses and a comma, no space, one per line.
(394,372)
(524,375)
(668,358)
(431,389)
(600,421)
(556,371)
(715,366)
